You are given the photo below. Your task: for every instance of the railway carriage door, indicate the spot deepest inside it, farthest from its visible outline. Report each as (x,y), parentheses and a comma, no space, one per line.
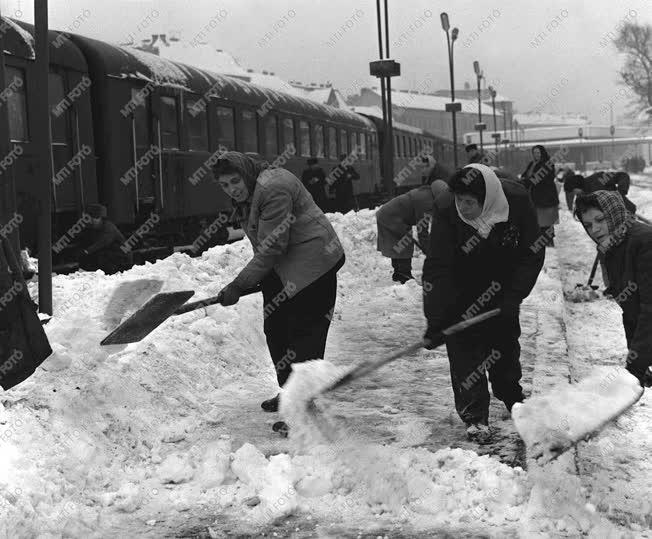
(143,163)
(63,191)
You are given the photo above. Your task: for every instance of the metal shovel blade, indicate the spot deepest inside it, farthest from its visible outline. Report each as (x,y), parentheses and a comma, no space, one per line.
(146,319)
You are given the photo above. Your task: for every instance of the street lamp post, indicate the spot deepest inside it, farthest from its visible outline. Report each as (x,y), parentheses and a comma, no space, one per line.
(580,133)
(495,134)
(480,127)
(451,107)
(505,139)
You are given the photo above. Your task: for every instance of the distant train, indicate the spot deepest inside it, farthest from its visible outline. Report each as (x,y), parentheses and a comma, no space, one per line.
(139,134)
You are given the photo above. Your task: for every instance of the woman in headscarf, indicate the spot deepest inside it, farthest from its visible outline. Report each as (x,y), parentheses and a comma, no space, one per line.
(296,258)
(539,179)
(485,252)
(626,248)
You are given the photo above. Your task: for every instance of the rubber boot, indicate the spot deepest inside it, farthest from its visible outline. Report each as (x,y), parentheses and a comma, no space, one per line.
(402,270)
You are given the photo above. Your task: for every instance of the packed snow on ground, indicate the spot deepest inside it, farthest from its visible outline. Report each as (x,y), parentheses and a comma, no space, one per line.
(125,439)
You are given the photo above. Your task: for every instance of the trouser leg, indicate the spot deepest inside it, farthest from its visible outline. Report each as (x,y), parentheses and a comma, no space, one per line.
(309,316)
(505,370)
(465,356)
(276,327)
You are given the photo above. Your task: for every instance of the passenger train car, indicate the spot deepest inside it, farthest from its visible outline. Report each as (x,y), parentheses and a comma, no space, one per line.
(139,134)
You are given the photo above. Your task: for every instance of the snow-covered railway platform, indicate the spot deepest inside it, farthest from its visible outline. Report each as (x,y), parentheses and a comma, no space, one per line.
(166,437)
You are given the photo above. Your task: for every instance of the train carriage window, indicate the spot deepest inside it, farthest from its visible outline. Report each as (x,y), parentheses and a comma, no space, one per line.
(412,152)
(362,142)
(405,146)
(304,138)
(344,141)
(288,134)
(397,146)
(169,123)
(141,116)
(59,109)
(196,124)
(370,147)
(249,130)
(332,143)
(271,135)
(225,127)
(318,140)
(16,98)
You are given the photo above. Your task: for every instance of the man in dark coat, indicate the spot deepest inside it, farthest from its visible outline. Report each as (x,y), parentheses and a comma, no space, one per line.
(599,181)
(314,180)
(627,248)
(395,220)
(102,244)
(485,252)
(343,175)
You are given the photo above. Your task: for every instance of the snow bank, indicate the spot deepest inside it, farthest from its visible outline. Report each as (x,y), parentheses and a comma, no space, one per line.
(111,440)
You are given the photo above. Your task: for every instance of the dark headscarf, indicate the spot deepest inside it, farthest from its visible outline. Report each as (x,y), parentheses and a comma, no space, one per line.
(249,165)
(544,156)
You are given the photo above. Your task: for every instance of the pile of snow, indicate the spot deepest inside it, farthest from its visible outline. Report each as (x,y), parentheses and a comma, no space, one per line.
(570,412)
(105,441)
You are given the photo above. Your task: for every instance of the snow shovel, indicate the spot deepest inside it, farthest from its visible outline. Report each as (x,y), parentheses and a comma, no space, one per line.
(368,366)
(591,277)
(549,431)
(156,311)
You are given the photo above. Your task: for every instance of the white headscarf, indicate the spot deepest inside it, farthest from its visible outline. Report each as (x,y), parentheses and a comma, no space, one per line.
(495,208)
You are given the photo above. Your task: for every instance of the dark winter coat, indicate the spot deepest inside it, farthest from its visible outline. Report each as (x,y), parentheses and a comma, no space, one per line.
(343,177)
(539,180)
(316,188)
(463,266)
(629,268)
(601,181)
(103,246)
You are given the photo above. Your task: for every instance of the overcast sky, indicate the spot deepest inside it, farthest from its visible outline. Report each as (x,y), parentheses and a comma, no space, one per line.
(572,68)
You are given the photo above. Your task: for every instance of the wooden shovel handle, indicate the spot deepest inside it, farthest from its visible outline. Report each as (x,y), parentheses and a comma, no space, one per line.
(210,301)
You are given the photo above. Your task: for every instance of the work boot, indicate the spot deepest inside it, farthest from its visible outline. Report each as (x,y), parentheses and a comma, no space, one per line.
(477,432)
(270,405)
(402,270)
(282,428)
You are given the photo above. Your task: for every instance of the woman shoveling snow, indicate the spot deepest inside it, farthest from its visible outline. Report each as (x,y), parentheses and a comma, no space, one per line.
(296,258)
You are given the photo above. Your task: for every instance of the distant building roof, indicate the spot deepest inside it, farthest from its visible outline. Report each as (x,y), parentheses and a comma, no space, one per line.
(542,119)
(472,94)
(413,100)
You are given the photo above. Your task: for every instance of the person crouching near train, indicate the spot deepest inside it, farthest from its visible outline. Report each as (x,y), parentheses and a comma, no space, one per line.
(296,258)
(626,245)
(101,245)
(484,253)
(395,220)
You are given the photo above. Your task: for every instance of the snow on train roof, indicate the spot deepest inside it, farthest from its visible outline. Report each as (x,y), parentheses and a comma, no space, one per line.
(19,42)
(376,112)
(127,62)
(23,39)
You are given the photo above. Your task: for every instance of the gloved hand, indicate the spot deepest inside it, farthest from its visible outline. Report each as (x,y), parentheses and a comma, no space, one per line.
(644,375)
(229,295)
(433,338)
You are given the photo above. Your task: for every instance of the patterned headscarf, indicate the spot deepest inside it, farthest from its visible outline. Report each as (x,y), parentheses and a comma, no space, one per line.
(618,218)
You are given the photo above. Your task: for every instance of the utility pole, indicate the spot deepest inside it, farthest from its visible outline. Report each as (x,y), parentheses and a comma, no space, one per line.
(452,107)
(42,144)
